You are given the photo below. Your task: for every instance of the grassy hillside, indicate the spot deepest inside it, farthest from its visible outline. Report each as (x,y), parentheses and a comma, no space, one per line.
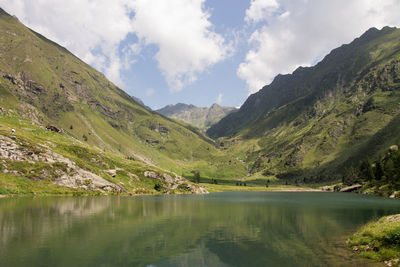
(35,161)
(44,83)
(308,125)
(202,118)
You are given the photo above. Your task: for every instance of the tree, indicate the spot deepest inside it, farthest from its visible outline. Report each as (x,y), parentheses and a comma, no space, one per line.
(350,176)
(196,176)
(379,171)
(366,170)
(389,169)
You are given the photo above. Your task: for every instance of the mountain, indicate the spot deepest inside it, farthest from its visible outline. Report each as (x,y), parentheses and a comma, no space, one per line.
(311,124)
(43,85)
(201,117)
(140,102)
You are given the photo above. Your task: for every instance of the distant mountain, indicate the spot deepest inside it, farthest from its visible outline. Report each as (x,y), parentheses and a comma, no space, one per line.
(201,117)
(140,102)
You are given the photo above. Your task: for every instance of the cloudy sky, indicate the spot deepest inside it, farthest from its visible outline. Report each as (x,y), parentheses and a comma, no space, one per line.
(201,51)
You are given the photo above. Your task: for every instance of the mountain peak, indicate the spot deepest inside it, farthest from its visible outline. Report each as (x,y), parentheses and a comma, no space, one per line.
(336,70)
(200,117)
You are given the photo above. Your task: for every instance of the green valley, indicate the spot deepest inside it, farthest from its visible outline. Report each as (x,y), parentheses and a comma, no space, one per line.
(307,128)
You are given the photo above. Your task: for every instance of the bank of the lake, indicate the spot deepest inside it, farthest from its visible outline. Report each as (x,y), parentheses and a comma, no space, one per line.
(378,240)
(250,187)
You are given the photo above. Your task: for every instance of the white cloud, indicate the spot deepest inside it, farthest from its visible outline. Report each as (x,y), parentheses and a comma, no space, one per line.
(150,92)
(301,32)
(92,30)
(219,98)
(260,9)
(95,31)
(182,31)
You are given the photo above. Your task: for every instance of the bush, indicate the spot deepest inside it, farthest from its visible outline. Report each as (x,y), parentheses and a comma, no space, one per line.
(392,237)
(158,187)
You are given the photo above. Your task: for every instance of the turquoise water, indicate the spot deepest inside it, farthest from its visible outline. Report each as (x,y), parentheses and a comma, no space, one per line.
(219,229)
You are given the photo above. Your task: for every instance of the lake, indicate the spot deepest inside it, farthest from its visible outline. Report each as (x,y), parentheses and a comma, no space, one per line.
(219,229)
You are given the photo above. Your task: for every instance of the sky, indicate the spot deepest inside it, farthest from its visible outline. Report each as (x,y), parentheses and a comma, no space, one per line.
(201,51)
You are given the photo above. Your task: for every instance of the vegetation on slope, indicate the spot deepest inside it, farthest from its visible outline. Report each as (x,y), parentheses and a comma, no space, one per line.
(44,83)
(308,126)
(302,128)
(381,177)
(36,161)
(379,240)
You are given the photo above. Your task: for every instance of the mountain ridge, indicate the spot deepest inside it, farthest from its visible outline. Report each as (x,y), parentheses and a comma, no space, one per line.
(259,103)
(44,83)
(201,117)
(317,121)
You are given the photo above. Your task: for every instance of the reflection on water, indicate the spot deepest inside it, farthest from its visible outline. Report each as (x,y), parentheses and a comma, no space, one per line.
(223,229)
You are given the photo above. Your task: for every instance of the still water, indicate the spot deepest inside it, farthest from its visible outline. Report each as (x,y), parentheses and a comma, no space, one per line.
(219,229)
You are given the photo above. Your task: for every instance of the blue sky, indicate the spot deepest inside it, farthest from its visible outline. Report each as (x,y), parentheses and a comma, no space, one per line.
(219,79)
(201,51)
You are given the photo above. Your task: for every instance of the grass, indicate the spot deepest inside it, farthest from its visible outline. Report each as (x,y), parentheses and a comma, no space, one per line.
(23,186)
(316,123)
(77,98)
(35,178)
(252,187)
(379,240)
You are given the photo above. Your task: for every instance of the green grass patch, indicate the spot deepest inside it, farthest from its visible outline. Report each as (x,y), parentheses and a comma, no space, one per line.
(379,240)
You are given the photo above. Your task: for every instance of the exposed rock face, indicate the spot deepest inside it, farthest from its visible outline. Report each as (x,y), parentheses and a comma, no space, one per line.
(175,182)
(68,174)
(351,188)
(159,128)
(201,117)
(72,176)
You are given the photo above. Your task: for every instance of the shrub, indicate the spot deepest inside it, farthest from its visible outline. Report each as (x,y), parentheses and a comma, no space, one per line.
(158,187)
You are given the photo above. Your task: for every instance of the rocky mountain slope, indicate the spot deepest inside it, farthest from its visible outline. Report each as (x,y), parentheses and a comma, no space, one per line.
(201,117)
(44,83)
(37,161)
(140,102)
(310,124)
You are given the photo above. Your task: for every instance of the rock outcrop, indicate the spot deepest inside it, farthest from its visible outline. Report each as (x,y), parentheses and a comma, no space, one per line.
(65,172)
(70,175)
(172,183)
(351,188)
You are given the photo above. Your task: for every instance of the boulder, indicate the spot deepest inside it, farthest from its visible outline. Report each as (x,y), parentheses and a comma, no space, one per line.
(150,174)
(112,173)
(326,188)
(351,188)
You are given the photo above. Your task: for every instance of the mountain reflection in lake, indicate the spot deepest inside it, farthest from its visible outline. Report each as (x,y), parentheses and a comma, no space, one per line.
(220,229)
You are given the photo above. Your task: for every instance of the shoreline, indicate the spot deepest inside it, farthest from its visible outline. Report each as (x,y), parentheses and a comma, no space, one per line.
(378,240)
(211,188)
(281,188)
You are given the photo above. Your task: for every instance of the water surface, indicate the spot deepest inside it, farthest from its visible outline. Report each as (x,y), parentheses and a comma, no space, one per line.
(220,229)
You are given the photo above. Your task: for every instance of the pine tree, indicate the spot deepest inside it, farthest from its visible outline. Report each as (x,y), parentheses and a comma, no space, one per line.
(366,171)
(379,172)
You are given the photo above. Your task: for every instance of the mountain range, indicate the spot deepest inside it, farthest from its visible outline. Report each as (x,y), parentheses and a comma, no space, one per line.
(313,123)
(64,125)
(201,117)
(44,86)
